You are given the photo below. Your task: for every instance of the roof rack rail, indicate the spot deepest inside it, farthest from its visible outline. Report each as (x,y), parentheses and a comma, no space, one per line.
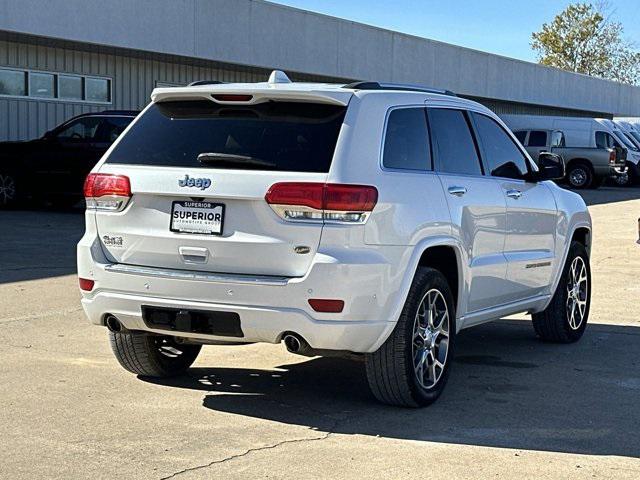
(204,82)
(396,86)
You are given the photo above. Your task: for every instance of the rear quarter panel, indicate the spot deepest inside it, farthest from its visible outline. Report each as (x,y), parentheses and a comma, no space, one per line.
(572,214)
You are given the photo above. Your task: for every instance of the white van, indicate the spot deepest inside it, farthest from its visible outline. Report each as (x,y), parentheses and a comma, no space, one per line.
(629,134)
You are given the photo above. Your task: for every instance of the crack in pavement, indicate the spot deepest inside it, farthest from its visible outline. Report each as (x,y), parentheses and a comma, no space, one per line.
(253,450)
(39,316)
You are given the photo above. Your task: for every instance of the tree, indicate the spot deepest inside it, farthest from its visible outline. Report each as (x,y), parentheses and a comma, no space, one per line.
(583,39)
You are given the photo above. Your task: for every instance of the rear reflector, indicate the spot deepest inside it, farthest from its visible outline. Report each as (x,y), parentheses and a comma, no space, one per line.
(326,306)
(304,201)
(86,284)
(232,98)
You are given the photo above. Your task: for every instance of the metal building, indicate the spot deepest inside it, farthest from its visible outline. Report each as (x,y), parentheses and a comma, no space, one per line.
(59,58)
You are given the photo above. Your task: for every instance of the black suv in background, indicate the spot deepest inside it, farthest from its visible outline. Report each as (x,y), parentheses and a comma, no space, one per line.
(53,168)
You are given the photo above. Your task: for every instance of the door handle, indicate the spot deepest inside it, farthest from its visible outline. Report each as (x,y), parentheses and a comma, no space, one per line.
(457,191)
(514,194)
(194,254)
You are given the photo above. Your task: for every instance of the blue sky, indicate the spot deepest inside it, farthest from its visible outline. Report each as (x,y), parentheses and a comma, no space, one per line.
(497,26)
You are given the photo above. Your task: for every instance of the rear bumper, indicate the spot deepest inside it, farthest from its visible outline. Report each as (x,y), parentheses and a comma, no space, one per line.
(607,170)
(259,324)
(268,306)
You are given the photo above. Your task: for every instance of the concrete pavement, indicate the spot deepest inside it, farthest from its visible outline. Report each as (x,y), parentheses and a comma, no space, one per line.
(514,407)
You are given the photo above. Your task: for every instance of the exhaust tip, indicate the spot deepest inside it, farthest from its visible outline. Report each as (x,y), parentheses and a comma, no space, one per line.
(292,343)
(113,324)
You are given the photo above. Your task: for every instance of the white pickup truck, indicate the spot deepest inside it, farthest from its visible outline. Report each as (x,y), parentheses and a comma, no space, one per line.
(367,218)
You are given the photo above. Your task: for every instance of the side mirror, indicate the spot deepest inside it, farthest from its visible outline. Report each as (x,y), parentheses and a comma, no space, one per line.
(550,167)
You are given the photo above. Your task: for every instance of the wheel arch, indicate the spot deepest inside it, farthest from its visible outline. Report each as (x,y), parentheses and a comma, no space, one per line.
(426,253)
(445,259)
(582,160)
(582,234)
(580,231)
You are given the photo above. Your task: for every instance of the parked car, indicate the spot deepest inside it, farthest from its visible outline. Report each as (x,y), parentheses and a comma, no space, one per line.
(591,150)
(54,167)
(369,218)
(631,175)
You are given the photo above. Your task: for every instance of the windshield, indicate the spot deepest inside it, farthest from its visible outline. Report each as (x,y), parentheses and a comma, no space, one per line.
(631,139)
(282,136)
(621,136)
(635,135)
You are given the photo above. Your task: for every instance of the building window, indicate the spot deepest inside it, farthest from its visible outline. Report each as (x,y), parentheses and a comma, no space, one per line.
(54,86)
(97,90)
(13,82)
(70,87)
(41,85)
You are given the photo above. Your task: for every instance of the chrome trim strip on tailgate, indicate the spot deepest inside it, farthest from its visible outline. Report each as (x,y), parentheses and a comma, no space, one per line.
(194,275)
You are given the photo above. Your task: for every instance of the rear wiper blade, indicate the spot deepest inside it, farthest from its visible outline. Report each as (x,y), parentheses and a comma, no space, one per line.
(214,157)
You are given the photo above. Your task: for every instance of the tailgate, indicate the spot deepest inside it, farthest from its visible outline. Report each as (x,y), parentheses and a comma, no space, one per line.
(208,213)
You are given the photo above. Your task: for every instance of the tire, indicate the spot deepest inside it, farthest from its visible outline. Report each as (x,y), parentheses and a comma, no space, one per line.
(628,179)
(8,190)
(392,377)
(565,319)
(580,175)
(152,355)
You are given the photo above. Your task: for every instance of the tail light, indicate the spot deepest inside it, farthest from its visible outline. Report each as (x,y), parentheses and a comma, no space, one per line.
(322,202)
(612,157)
(103,191)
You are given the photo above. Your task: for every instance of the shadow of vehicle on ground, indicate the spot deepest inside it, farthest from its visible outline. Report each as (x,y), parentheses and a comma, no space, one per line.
(507,390)
(38,244)
(607,194)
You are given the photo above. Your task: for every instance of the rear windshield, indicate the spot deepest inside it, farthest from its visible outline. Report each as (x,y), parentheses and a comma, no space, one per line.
(283,136)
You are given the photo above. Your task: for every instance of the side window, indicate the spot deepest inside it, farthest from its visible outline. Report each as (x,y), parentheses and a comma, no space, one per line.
(83,129)
(112,127)
(406,143)
(605,140)
(537,138)
(501,154)
(557,139)
(452,142)
(521,135)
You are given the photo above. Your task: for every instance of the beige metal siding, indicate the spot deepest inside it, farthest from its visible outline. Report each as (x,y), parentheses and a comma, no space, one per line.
(132,80)
(133,76)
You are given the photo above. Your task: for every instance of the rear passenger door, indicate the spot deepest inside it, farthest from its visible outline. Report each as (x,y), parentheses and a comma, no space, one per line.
(408,209)
(531,212)
(476,204)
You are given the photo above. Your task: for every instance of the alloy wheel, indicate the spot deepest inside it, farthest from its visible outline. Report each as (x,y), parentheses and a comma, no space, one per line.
(7,189)
(168,347)
(430,339)
(578,177)
(577,291)
(622,179)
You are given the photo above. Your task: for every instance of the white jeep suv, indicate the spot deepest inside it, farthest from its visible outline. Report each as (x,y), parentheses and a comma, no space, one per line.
(367,218)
